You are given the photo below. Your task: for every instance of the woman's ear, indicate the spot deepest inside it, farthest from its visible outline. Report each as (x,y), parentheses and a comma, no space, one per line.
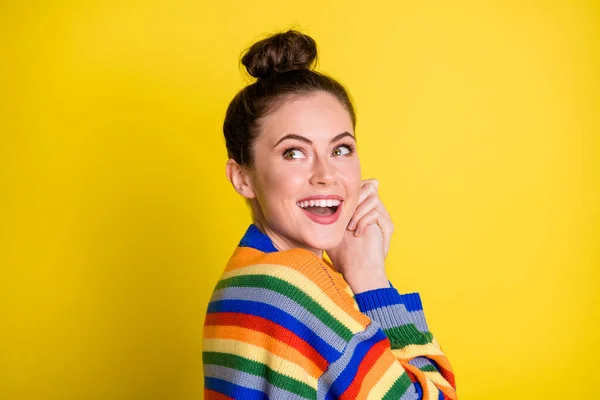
(240,179)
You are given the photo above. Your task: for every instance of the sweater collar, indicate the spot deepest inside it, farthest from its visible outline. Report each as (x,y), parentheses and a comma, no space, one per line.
(258,240)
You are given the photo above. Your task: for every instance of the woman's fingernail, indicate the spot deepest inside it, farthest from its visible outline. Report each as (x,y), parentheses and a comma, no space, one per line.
(351,225)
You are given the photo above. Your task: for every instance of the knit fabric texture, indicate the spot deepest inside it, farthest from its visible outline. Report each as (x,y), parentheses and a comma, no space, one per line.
(285,325)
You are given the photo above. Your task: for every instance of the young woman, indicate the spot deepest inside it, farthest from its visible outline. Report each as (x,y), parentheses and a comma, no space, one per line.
(283,322)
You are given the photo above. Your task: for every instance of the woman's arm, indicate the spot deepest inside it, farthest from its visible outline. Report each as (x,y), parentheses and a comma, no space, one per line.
(402,319)
(369,368)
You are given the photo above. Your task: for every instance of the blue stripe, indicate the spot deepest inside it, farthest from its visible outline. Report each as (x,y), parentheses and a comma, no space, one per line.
(293,308)
(280,317)
(344,379)
(412,301)
(435,364)
(232,390)
(257,240)
(418,389)
(377,298)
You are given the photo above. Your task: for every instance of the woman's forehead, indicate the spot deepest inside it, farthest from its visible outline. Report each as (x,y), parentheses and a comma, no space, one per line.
(318,116)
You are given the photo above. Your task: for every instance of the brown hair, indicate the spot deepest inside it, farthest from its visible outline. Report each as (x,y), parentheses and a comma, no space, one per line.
(282,65)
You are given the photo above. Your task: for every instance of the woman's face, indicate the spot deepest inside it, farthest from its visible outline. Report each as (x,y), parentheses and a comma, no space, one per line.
(306,175)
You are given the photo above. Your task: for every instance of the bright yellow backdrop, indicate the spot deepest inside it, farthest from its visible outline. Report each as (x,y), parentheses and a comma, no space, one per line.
(480,119)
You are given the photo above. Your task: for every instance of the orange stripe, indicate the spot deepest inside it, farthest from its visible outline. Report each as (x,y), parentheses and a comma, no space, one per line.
(441,360)
(271,328)
(242,257)
(309,265)
(375,373)
(443,365)
(369,360)
(265,341)
(445,369)
(422,378)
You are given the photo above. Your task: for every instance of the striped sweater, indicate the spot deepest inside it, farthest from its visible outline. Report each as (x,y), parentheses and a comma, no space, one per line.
(285,325)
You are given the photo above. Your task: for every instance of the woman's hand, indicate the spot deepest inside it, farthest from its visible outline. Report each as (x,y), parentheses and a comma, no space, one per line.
(361,254)
(370,210)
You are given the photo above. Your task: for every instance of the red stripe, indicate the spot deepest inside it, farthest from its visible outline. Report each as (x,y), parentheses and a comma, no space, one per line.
(365,366)
(448,376)
(270,328)
(212,395)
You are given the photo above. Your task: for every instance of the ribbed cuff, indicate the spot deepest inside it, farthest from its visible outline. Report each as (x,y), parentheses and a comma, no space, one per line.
(378,298)
(400,315)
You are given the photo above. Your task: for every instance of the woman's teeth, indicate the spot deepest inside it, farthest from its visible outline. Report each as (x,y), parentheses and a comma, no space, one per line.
(318,203)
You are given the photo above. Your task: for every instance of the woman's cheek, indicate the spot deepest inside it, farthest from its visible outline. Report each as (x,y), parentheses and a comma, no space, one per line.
(289,183)
(353,183)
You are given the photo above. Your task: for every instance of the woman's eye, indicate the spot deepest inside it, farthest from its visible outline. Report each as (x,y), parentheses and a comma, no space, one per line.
(342,150)
(292,154)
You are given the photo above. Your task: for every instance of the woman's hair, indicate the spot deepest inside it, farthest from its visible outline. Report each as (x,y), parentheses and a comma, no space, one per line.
(282,65)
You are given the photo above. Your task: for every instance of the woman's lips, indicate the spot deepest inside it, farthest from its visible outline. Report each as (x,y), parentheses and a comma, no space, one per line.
(324,219)
(323,197)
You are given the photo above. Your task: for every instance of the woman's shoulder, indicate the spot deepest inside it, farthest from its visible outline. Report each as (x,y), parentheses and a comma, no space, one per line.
(295,263)
(295,274)
(256,254)
(296,266)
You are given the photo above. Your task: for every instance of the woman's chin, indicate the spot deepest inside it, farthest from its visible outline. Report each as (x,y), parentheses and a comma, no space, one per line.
(325,242)
(324,237)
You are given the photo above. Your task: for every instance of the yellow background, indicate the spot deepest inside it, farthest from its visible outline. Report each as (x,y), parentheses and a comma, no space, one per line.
(480,119)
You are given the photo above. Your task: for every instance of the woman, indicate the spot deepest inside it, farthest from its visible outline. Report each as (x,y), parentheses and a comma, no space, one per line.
(284,323)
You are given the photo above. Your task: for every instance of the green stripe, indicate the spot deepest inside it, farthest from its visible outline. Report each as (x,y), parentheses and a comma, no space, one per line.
(258,369)
(291,291)
(398,388)
(404,335)
(429,368)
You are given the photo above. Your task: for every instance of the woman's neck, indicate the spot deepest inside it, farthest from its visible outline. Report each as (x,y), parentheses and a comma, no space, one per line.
(281,243)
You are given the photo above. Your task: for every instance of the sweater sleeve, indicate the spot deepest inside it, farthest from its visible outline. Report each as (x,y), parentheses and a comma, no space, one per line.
(395,357)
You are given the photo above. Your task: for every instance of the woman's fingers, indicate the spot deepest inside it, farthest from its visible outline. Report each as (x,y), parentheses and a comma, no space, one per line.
(370,211)
(384,223)
(368,187)
(367,201)
(375,217)
(370,203)
(371,181)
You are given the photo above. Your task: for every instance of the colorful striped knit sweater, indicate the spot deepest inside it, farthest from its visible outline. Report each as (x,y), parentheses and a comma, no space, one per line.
(285,325)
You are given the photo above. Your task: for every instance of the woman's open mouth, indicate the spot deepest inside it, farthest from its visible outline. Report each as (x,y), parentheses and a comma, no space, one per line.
(322,211)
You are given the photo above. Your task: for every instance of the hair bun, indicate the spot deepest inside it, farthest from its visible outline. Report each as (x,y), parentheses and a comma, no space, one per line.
(280,53)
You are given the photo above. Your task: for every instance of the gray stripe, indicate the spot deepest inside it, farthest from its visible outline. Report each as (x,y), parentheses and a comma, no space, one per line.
(285,304)
(249,381)
(421,362)
(336,368)
(396,315)
(410,394)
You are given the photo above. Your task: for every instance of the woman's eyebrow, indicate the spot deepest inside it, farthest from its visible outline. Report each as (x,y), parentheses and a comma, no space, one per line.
(342,135)
(307,140)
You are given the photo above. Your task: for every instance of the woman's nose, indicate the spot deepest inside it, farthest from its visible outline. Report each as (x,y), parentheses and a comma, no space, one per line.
(323,173)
